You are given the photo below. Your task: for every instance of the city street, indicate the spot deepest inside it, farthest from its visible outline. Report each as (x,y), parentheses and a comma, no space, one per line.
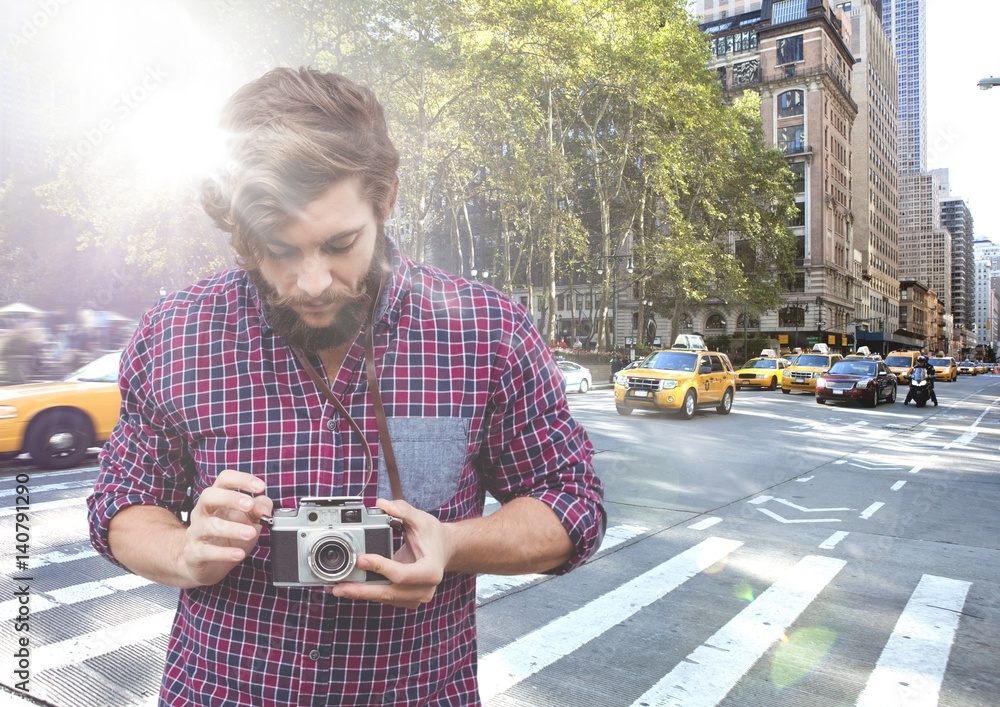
(784,554)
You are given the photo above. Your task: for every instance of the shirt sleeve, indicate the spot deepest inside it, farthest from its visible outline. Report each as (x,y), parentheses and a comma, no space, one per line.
(535,448)
(142,462)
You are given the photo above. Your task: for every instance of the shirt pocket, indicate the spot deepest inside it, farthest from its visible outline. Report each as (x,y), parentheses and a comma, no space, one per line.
(430,454)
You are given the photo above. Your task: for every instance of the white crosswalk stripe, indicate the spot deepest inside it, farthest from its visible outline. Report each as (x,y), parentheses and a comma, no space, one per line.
(909,671)
(706,676)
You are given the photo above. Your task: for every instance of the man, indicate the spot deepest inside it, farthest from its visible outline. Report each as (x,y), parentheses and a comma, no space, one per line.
(922,362)
(215,398)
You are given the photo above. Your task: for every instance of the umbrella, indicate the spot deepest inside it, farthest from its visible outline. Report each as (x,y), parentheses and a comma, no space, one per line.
(20,308)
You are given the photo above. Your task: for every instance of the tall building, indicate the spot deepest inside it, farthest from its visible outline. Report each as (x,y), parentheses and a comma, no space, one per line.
(876,175)
(710,10)
(905,23)
(987,305)
(957,219)
(797,54)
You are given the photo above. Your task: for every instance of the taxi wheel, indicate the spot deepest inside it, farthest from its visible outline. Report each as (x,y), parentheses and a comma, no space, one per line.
(622,410)
(689,406)
(727,402)
(584,386)
(786,391)
(59,439)
(774,383)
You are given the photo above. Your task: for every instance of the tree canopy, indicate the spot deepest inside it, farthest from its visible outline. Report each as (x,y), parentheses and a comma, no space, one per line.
(539,139)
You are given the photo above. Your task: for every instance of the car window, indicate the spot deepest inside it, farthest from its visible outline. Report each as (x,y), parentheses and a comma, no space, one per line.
(672,361)
(812,360)
(717,366)
(103,370)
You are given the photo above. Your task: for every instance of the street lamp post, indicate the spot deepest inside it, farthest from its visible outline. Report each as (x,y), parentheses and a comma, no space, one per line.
(613,260)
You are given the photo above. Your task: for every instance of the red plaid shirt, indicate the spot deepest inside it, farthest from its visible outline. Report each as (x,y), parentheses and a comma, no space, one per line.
(475,404)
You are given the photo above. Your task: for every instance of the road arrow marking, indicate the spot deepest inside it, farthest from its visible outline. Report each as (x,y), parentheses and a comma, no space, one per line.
(809,510)
(799,520)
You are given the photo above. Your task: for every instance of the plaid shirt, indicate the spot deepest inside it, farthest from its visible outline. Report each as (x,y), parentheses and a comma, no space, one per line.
(474,404)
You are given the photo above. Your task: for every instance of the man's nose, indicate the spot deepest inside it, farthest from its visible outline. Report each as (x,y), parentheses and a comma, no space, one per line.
(314,278)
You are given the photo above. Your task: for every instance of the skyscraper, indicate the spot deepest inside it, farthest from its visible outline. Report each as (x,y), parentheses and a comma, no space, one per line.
(905,23)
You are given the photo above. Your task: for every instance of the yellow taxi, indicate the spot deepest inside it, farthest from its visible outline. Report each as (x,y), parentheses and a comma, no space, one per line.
(808,367)
(901,363)
(945,368)
(56,422)
(982,367)
(761,373)
(677,379)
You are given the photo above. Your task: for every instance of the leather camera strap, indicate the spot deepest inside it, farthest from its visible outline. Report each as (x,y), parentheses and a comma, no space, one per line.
(385,440)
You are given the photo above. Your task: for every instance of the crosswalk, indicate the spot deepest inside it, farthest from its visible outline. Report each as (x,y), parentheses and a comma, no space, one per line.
(118,614)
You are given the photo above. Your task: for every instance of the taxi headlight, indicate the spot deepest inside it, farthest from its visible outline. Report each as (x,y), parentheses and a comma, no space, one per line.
(7,412)
(668,385)
(761,375)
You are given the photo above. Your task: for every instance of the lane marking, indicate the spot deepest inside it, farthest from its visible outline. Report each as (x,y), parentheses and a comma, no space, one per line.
(808,510)
(490,585)
(870,511)
(90,645)
(831,542)
(520,659)
(705,524)
(780,519)
(898,485)
(912,664)
(709,672)
(50,505)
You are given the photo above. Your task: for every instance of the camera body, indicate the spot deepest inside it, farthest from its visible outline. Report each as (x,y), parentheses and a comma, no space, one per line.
(318,543)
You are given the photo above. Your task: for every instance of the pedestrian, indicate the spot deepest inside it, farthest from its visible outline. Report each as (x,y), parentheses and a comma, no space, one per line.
(329,365)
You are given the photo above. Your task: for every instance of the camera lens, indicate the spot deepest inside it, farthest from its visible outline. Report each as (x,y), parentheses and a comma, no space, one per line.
(332,558)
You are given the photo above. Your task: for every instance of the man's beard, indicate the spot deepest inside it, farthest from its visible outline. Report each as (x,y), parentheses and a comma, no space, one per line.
(355,307)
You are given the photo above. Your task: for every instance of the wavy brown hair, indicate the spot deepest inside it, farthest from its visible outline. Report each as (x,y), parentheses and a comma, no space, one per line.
(292,135)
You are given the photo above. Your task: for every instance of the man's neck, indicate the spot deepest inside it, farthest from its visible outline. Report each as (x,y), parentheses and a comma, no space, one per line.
(333,359)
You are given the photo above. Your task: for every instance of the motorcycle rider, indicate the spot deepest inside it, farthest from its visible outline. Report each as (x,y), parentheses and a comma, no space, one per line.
(922,362)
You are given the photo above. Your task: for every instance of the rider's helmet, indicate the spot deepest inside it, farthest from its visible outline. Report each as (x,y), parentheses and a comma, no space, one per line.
(921,359)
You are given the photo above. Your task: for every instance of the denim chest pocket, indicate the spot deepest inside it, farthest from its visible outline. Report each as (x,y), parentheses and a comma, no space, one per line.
(430,454)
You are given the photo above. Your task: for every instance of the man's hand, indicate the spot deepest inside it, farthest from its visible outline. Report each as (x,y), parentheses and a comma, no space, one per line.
(415,571)
(224,526)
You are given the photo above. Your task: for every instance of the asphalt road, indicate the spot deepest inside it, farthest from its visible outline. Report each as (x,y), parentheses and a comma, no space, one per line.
(785,554)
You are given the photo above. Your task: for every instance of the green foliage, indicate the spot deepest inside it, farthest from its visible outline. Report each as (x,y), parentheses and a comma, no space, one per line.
(536,136)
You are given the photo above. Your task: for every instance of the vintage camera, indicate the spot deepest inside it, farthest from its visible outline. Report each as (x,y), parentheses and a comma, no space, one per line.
(318,543)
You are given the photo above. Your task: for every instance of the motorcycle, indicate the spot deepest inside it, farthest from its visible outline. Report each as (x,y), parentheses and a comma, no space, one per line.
(920,382)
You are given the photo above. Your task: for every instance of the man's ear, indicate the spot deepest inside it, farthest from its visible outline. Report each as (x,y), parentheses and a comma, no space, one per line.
(391,201)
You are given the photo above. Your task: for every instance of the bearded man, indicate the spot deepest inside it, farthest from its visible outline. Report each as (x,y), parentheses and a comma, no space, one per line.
(326,366)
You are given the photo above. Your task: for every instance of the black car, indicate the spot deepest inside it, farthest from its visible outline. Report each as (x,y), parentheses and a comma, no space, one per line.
(856,380)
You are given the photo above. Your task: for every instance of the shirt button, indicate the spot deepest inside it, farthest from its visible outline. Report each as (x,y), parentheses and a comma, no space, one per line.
(331,425)
(314,654)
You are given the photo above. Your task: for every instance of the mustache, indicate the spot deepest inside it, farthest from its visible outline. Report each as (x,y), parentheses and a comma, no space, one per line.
(327,298)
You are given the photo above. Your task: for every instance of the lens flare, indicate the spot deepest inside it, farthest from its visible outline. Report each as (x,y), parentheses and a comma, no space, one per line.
(743,592)
(799,653)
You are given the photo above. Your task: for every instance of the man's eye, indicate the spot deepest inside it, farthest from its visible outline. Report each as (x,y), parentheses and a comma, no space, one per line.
(340,247)
(278,251)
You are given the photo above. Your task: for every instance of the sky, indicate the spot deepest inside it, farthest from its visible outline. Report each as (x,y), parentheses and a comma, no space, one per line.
(962,120)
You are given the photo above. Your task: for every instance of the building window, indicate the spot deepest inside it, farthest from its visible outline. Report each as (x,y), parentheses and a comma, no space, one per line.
(787,11)
(791,316)
(790,103)
(715,321)
(799,170)
(790,49)
(791,139)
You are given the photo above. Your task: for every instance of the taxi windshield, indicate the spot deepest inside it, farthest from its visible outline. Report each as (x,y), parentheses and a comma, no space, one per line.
(763,363)
(810,360)
(940,362)
(672,361)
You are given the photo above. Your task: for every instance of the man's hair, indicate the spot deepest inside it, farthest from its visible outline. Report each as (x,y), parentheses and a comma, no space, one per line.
(292,135)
